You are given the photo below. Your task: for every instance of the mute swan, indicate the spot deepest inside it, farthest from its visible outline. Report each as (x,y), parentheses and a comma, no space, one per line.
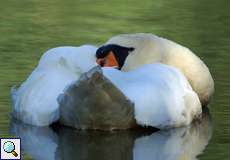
(134,50)
(35,101)
(169,100)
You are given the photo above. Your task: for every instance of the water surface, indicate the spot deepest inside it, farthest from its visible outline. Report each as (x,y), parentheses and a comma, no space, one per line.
(30,27)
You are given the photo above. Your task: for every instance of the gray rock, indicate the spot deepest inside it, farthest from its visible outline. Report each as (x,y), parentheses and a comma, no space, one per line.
(93,102)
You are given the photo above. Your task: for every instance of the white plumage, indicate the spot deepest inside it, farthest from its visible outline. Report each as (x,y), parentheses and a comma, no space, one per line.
(150,48)
(162,96)
(35,101)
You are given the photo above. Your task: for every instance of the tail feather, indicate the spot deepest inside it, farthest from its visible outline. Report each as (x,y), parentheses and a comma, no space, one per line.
(193,106)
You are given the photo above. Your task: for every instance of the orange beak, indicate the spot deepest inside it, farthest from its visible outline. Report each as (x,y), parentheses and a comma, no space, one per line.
(108,61)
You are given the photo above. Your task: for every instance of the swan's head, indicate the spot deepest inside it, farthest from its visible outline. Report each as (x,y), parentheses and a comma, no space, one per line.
(145,45)
(112,55)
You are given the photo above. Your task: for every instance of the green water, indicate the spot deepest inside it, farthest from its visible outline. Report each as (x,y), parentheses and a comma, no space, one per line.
(30,27)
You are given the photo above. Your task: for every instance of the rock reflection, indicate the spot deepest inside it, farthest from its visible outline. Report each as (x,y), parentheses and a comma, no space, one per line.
(96,145)
(66,143)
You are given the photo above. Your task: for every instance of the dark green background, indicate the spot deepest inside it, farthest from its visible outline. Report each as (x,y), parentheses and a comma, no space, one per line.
(29,27)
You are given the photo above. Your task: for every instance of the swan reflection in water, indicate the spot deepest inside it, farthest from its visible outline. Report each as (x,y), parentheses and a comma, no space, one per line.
(65,143)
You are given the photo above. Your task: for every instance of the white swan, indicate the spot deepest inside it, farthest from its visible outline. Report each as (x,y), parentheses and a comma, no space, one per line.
(161,94)
(35,101)
(141,48)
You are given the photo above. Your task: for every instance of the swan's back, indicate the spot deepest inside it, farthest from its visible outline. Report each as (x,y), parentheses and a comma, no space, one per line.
(162,95)
(75,57)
